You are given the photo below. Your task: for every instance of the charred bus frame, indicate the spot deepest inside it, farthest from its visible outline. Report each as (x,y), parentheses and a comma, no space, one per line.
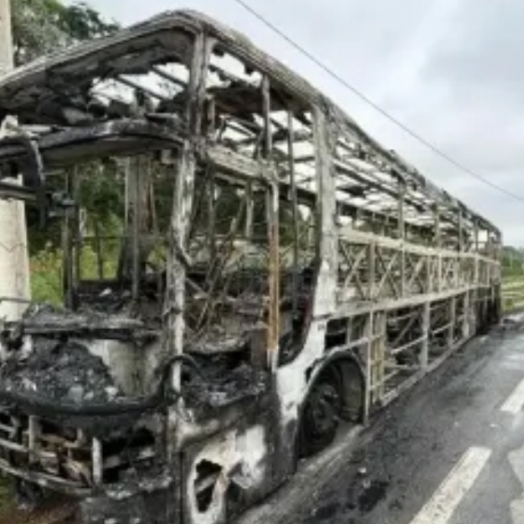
(307,275)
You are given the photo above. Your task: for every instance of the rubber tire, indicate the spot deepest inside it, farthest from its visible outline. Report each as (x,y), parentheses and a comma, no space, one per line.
(321,413)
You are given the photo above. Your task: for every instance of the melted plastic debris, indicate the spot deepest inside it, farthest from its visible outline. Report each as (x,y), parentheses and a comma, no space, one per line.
(218,386)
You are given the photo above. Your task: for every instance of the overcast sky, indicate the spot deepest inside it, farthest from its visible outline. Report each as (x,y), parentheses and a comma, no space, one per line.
(449,69)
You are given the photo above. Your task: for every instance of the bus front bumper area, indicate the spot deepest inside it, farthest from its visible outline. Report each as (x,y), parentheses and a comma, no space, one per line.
(120,478)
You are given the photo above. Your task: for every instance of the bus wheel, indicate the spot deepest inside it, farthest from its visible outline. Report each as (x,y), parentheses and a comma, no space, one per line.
(321,414)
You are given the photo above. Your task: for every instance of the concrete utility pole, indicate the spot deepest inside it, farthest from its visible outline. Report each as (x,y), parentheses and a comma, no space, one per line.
(14,260)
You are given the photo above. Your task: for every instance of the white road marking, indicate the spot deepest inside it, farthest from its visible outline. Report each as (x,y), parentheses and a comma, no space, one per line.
(443,503)
(515,401)
(516,459)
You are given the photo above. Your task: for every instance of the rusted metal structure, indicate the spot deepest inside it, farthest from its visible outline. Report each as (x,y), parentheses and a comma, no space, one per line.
(275,271)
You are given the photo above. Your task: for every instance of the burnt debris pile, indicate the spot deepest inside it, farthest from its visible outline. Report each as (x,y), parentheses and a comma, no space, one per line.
(51,320)
(59,371)
(219,383)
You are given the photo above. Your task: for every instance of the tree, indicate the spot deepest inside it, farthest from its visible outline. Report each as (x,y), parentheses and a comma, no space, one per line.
(42,26)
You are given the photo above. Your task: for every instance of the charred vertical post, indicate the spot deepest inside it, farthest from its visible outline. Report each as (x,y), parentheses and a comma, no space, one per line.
(182,209)
(477,251)
(67,247)
(402,234)
(438,244)
(273,230)
(138,183)
(33,431)
(369,334)
(178,259)
(378,355)
(476,275)
(426,332)
(77,219)
(452,321)
(97,461)
(294,199)
(274,276)
(459,267)
(99,251)
(325,136)
(250,207)
(371,270)
(266,113)
(466,315)
(460,223)
(211,216)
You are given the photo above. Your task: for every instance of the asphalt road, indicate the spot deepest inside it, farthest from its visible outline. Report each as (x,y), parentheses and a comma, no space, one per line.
(449,451)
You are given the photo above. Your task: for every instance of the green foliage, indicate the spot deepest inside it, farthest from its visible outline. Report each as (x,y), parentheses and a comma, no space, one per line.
(6,495)
(512,279)
(89,264)
(46,276)
(47,268)
(43,26)
(35,31)
(512,263)
(80,22)
(40,27)
(102,194)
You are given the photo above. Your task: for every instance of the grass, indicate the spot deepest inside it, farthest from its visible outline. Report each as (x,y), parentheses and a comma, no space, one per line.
(46,276)
(512,288)
(47,268)
(6,496)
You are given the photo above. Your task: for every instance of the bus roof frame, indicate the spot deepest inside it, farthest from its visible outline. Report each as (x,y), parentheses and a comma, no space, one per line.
(75,58)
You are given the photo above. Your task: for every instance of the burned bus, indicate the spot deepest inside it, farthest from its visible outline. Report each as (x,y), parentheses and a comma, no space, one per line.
(259,274)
